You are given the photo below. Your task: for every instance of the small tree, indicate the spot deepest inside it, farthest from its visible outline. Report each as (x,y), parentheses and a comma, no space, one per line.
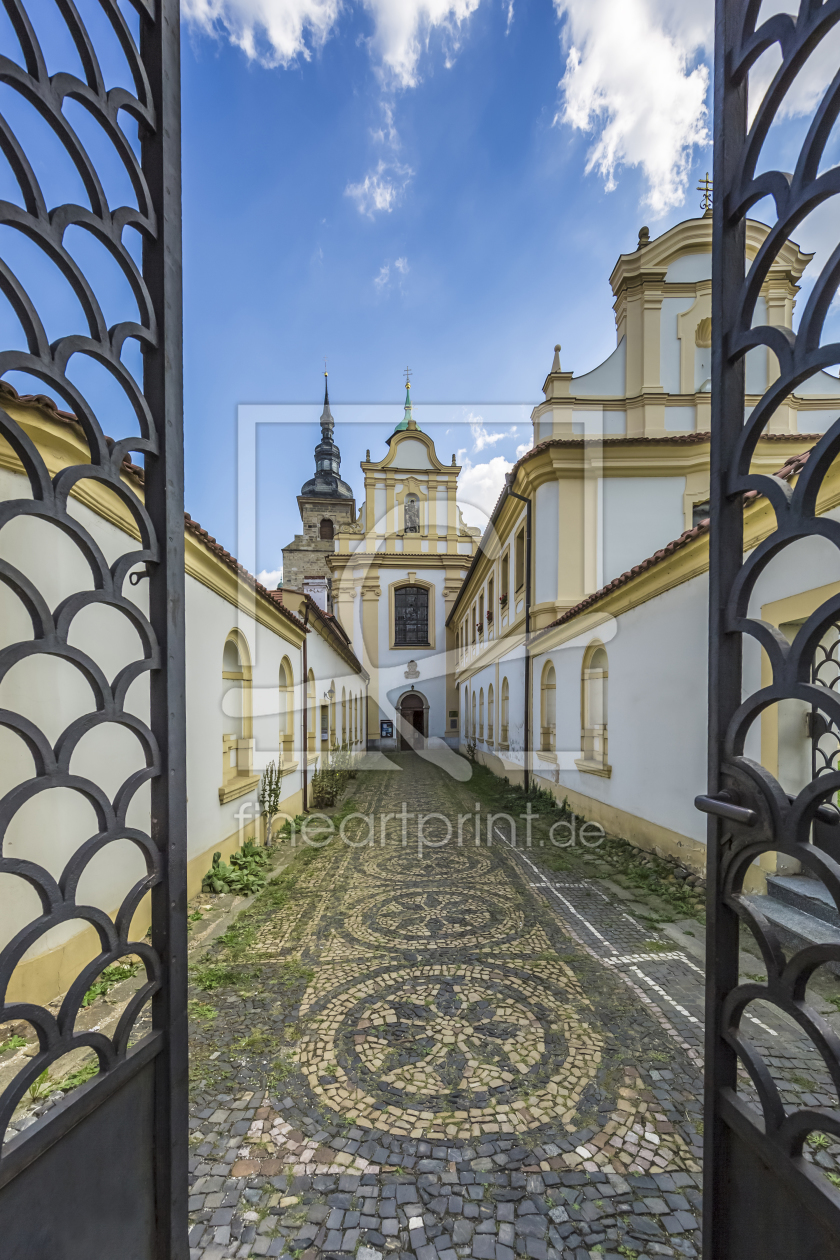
(269,795)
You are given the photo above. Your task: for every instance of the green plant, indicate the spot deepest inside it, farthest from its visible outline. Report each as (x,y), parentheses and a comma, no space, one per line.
(42,1087)
(13,1043)
(201,1010)
(80,1076)
(244,875)
(109,977)
(209,976)
(834,1179)
(269,795)
(819,1141)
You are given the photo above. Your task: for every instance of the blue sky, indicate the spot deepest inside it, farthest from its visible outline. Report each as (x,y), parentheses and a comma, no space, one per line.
(493,245)
(440,183)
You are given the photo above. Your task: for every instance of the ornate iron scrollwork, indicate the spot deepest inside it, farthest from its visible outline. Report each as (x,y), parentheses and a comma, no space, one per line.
(762,1198)
(150,498)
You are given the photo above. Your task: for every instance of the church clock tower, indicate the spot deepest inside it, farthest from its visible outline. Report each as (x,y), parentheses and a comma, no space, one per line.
(325,503)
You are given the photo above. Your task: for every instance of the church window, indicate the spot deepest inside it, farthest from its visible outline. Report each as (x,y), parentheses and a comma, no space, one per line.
(519,559)
(481,714)
(326,529)
(411,616)
(237,742)
(286,732)
(548,724)
(412,514)
(490,713)
(472,720)
(594,678)
(505,710)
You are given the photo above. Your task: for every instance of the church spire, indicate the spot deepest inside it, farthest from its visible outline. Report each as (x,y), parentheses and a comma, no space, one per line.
(408,421)
(327,422)
(327,481)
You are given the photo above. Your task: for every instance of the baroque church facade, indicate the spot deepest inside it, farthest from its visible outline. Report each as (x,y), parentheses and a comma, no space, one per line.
(390,574)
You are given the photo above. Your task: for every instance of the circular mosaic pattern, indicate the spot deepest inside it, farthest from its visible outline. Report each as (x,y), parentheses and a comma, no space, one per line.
(482,1048)
(405,863)
(422,919)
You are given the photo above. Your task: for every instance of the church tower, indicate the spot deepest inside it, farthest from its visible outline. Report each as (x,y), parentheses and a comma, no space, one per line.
(325,503)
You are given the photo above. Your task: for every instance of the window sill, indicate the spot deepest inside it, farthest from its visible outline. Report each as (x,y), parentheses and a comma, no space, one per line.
(237,787)
(545,754)
(288,767)
(594,767)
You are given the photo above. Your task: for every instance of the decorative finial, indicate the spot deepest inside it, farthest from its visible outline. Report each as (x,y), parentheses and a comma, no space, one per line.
(367,456)
(555,367)
(705,187)
(644,237)
(326,389)
(407,374)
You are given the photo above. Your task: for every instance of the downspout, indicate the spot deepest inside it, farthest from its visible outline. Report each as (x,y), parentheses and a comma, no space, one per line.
(527,749)
(305,706)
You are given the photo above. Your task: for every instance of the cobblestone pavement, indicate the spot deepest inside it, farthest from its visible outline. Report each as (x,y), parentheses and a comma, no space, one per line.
(453,1053)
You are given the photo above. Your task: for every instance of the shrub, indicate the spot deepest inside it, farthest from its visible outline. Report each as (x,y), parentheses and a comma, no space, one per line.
(245,874)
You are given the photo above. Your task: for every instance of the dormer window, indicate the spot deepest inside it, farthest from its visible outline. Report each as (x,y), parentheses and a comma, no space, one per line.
(412,514)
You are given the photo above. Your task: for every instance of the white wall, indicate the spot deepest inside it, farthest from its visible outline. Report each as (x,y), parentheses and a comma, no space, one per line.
(656,711)
(640,515)
(546,541)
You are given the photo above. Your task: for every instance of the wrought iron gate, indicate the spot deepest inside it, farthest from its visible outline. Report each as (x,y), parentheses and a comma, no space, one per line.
(103,1173)
(762,1198)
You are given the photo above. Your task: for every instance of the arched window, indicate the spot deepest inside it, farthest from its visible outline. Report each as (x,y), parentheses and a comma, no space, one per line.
(490,713)
(237,726)
(287,706)
(313,711)
(594,676)
(326,529)
(332,695)
(548,709)
(472,717)
(343,715)
(411,616)
(481,714)
(503,716)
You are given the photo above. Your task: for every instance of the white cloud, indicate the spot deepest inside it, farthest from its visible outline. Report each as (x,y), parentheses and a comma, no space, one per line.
(382,279)
(276,32)
(523,449)
(479,486)
(480,435)
(402,29)
(271,32)
(402,266)
(380,190)
(270,578)
(630,79)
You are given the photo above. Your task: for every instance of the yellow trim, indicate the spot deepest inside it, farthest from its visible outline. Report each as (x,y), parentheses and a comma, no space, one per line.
(236,788)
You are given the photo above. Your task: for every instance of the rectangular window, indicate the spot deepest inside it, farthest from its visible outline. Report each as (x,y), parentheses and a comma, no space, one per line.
(481,612)
(519,559)
(411,616)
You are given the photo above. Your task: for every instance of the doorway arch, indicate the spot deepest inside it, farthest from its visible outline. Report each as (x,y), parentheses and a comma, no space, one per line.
(412,720)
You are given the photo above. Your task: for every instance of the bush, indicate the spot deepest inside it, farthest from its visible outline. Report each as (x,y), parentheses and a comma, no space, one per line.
(244,875)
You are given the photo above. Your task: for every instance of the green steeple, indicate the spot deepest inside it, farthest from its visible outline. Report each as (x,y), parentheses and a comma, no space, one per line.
(407,420)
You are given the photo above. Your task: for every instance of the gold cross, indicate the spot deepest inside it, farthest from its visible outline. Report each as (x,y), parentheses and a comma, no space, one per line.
(705,187)
(407,372)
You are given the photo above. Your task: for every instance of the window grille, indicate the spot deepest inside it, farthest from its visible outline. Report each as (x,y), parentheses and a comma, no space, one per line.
(411,616)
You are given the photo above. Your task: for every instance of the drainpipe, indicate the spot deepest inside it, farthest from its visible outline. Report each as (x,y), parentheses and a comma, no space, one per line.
(523,499)
(305,707)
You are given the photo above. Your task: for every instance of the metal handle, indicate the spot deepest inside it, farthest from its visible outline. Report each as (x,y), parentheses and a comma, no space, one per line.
(723,808)
(824,813)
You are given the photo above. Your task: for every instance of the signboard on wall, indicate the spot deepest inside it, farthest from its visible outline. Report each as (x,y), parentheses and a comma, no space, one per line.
(386,730)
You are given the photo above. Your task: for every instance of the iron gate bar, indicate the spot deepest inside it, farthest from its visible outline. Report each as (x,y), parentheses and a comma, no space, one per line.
(761,1197)
(126,1130)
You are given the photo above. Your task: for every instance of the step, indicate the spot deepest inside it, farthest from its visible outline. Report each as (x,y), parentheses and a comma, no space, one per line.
(795,928)
(802,893)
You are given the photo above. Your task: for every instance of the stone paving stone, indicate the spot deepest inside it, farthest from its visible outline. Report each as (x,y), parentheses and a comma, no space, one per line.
(450,1066)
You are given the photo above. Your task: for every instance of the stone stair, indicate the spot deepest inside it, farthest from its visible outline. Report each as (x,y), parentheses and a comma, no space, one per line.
(802,911)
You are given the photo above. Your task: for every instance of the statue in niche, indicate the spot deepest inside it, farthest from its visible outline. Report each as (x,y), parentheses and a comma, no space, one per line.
(412,515)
